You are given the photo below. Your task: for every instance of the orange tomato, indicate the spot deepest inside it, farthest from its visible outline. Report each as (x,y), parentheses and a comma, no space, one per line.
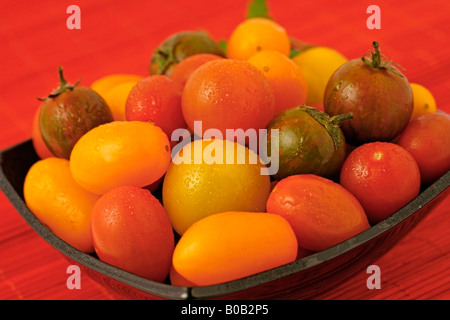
(423,100)
(156,98)
(115,88)
(183,70)
(321,212)
(38,143)
(178,280)
(107,82)
(227,94)
(285,77)
(231,245)
(116,98)
(120,153)
(59,202)
(257,34)
(131,230)
(383,176)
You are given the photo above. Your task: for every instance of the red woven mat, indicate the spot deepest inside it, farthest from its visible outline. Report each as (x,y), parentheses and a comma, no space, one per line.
(119,36)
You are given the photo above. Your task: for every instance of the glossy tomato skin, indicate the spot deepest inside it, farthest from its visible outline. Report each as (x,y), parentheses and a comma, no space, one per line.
(321,212)
(64,119)
(427,138)
(38,143)
(305,145)
(383,176)
(380,99)
(156,98)
(227,94)
(131,230)
(120,153)
(230,245)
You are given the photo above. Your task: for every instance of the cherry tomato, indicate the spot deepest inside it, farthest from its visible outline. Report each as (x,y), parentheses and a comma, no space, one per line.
(383,176)
(131,230)
(427,138)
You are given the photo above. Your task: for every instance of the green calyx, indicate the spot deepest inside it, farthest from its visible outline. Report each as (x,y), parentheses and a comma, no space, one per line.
(375,60)
(258,9)
(179,46)
(63,86)
(331,124)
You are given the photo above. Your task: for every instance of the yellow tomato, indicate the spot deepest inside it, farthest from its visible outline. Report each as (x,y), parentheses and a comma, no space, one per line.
(116,98)
(120,153)
(230,245)
(197,184)
(317,65)
(59,202)
(257,34)
(423,99)
(104,84)
(285,77)
(115,89)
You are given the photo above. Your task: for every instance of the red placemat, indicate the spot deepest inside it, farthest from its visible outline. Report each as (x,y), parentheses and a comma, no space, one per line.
(119,36)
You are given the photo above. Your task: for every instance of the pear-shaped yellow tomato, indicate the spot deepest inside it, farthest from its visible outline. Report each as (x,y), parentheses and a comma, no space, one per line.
(231,245)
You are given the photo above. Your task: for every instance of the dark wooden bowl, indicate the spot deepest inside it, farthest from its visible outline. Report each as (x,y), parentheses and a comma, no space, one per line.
(302,279)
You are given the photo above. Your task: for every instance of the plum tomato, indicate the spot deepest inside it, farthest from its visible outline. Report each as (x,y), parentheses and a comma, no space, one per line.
(383,176)
(59,202)
(120,153)
(321,212)
(131,230)
(427,138)
(230,245)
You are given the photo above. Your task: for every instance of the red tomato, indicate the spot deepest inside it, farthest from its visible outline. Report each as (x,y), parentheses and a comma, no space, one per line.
(382,176)
(321,212)
(156,98)
(427,138)
(131,230)
(38,143)
(183,70)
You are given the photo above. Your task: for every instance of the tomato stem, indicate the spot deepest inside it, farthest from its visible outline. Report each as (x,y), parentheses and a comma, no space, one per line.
(63,86)
(376,57)
(376,60)
(338,119)
(62,81)
(331,124)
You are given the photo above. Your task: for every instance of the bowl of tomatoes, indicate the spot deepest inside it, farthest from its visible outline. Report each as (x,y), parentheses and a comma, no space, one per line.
(221,176)
(303,278)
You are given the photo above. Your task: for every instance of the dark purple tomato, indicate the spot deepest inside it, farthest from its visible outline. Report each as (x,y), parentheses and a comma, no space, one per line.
(377,94)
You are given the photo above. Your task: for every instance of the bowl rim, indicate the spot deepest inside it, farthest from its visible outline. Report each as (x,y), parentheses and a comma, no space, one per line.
(168,291)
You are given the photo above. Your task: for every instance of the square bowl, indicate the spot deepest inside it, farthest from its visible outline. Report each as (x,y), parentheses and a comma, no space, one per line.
(301,279)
